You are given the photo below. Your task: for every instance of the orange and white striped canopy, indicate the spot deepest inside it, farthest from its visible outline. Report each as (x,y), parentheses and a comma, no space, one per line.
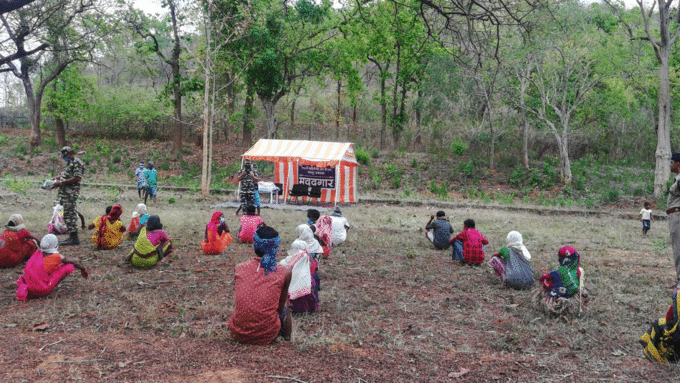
(288,155)
(315,153)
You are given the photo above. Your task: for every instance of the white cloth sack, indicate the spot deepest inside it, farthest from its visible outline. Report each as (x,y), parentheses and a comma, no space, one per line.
(301,280)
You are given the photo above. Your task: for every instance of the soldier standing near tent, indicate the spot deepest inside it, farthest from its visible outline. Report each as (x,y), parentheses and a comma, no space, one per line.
(248,178)
(68,183)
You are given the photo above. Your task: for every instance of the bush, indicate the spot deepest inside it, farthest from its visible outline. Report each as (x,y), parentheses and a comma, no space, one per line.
(458,147)
(362,156)
(164,166)
(517,176)
(394,173)
(116,159)
(468,168)
(611,195)
(414,163)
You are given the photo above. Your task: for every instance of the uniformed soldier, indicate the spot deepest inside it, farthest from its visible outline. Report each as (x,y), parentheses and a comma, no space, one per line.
(68,183)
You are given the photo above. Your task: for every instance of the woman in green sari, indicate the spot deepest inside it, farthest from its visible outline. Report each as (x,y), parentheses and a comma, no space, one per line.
(152,245)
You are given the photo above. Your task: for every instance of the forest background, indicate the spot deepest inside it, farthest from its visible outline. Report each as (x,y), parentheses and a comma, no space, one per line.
(556,102)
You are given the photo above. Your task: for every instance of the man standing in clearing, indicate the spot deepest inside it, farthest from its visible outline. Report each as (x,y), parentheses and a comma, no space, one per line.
(68,183)
(141,179)
(151,178)
(673,212)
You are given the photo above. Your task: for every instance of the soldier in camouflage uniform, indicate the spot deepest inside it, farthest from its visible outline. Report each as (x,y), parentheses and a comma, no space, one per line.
(68,183)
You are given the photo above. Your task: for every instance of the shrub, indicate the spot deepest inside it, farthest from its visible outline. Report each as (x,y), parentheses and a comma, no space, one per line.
(116,159)
(362,156)
(394,173)
(458,147)
(3,139)
(468,168)
(517,176)
(171,200)
(414,163)
(164,166)
(611,195)
(375,153)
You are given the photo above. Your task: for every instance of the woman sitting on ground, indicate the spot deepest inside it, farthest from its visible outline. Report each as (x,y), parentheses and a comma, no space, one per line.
(16,243)
(561,289)
(662,340)
(511,263)
(45,269)
(217,235)
(323,230)
(135,225)
(250,221)
(109,229)
(305,283)
(152,245)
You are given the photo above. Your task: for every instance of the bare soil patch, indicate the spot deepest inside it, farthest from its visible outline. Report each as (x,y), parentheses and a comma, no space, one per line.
(393,308)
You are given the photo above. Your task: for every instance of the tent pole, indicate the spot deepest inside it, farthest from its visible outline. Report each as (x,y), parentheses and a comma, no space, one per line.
(337,183)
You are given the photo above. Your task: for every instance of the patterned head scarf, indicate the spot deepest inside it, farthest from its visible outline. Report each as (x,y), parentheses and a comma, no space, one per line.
(140,210)
(49,244)
(305,234)
(337,212)
(141,165)
(568,256)
(16,222)
(514,241)
(266,242)
(153,223)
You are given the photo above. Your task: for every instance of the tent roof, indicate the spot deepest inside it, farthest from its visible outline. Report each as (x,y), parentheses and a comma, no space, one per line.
(316,153)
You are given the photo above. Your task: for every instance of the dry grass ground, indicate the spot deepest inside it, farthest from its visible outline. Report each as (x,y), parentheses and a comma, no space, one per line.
(393,308)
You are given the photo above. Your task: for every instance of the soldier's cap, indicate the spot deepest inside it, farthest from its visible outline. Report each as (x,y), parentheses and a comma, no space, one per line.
(66,150)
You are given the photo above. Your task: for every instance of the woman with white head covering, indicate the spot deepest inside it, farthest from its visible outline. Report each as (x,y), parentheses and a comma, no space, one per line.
(135,225)
(16,243)
(511,263)
(45,269)
(305,284)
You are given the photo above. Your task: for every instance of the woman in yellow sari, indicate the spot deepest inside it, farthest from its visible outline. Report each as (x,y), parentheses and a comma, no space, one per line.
(109,229)
(152,245)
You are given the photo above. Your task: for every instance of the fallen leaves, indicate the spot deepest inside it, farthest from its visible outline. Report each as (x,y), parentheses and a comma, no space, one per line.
(41,326)
(458,374)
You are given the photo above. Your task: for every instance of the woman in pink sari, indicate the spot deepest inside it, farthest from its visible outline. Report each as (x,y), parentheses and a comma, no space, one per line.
(45,269)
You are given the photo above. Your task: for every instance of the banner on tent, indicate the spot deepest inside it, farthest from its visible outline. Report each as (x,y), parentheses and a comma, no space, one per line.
(313,176)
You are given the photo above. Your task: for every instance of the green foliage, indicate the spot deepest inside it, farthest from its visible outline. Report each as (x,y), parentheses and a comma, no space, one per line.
(458,147)
(440,191)
(394,174)
(164,165)
(375,153)
(362,156)
(468,168)
(414,163)
(171,200)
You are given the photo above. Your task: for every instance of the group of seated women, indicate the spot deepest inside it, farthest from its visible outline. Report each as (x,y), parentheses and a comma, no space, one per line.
(561,290)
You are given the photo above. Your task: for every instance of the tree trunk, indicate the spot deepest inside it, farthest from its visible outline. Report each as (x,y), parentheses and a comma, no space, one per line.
(383,112)
(177,112)
(61,132)
(492,149)
(565,163)
(176,79)
(663,140)
(337,112)
(525,143)
(231,106)
(269,106)
(418,139)
(292,113)
(248,124)
(354,121)
(205,183)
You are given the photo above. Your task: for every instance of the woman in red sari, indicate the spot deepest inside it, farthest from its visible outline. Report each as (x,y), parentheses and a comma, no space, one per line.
(16,243)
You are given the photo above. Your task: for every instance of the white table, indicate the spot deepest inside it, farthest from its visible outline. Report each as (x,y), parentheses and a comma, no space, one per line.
(269,187)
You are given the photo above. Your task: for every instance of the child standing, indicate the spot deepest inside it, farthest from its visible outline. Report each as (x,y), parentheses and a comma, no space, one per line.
(646,217)
(468,245)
